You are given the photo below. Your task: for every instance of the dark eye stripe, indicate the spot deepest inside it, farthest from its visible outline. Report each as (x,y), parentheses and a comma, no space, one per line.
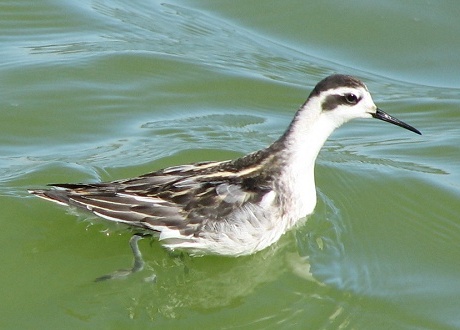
(333,101)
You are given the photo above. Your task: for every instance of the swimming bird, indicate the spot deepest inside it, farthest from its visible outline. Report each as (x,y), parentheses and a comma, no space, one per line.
(234,207)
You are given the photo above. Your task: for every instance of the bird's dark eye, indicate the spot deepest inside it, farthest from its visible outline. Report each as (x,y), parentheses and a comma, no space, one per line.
(351,98)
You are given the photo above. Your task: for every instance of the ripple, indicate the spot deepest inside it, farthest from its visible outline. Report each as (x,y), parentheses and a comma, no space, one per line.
(190,35)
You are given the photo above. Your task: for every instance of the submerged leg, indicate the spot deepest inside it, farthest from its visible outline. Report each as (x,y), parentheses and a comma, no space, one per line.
(138,263)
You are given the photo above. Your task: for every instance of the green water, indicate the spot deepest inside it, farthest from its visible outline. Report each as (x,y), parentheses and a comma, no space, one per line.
(108,89)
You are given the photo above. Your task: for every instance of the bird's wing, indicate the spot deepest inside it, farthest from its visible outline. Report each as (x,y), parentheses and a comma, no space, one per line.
(180,198)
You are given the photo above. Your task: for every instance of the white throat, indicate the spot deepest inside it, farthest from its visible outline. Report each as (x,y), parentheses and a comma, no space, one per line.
(303,140)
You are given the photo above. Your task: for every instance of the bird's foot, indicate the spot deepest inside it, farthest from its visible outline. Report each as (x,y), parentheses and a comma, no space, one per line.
(138,263)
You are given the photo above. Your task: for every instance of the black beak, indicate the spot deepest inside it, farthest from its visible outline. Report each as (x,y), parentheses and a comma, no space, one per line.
(382,115)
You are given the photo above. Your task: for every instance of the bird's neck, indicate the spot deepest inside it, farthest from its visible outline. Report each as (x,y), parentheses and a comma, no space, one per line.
(306,135)
(299,147)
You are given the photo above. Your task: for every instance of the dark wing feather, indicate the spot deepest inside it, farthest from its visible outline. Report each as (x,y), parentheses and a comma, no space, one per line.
(181,197)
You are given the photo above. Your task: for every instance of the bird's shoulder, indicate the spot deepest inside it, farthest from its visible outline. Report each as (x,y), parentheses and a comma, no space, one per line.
(234,181)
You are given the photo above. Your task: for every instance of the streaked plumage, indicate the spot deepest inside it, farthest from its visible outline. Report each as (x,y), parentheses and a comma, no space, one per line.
(234,207)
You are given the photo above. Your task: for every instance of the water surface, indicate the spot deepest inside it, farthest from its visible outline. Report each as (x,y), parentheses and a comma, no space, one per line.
(102,90)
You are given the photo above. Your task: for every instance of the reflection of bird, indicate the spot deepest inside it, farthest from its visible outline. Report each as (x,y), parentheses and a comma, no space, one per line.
(234,207)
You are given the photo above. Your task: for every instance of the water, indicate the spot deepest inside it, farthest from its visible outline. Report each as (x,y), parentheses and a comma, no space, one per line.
(102,90)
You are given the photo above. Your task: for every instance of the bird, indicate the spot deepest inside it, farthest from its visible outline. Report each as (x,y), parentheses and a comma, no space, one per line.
(234,207)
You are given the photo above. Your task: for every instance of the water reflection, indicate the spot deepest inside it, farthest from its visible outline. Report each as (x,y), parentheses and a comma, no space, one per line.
(201,284)
(210,283)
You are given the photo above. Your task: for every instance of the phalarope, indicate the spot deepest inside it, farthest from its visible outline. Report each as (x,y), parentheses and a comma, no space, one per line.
(235,207)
